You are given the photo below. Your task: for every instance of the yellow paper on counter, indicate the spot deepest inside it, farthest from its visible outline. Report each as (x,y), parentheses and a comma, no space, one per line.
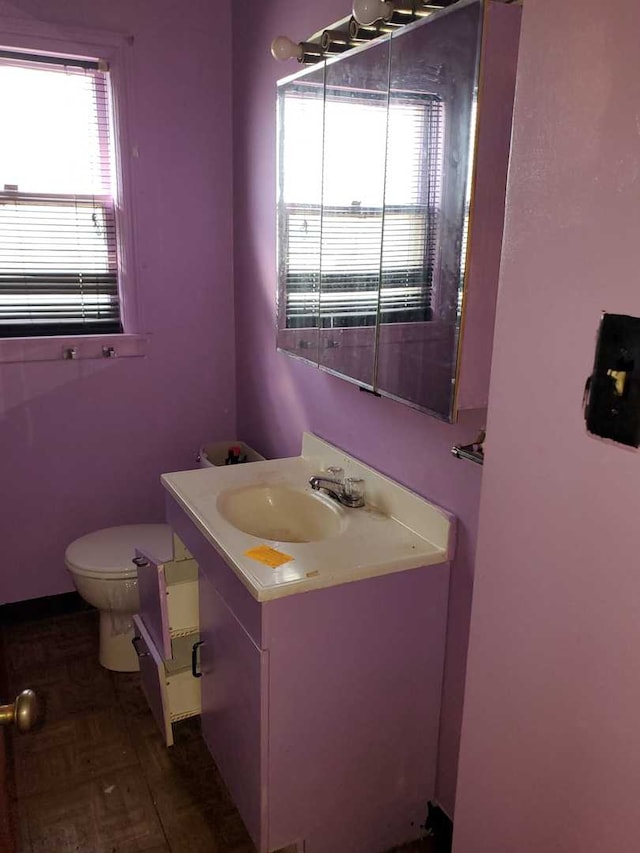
(268,556)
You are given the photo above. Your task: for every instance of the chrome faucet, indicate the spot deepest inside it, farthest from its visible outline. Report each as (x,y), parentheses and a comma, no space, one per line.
(349,492)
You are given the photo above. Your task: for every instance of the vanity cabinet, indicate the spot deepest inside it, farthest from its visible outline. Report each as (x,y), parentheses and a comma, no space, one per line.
(321,709)
(166,629)
(392,165)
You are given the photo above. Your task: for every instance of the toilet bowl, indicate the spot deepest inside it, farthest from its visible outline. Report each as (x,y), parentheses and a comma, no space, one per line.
(102,570)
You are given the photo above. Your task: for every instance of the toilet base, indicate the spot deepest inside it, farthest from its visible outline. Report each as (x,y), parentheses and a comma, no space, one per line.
(116,650)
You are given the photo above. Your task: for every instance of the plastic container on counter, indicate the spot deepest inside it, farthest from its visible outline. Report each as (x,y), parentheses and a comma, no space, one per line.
(227,453)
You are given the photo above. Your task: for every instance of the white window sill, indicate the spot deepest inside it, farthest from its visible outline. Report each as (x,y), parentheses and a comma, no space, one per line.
(72,348)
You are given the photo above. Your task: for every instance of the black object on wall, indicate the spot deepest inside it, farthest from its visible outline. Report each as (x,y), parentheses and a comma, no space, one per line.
(612,401)
(439,826)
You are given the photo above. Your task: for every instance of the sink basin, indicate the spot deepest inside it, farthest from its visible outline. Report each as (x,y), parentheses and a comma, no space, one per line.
(239,508)
(280,513)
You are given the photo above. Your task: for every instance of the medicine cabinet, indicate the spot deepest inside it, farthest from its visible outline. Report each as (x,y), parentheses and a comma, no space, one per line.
(391,181)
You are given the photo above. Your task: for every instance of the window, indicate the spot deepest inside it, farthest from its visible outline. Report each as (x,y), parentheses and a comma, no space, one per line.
(58,242)
(347,254)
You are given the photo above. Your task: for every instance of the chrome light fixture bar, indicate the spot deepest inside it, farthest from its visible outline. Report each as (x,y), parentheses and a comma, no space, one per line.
(367,12)
(371,18)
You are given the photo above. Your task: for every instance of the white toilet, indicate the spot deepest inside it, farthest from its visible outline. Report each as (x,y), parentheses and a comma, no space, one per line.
(103,573)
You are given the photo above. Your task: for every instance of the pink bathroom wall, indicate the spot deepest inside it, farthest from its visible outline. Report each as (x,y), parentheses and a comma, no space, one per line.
(279,397)
(550,759)
(82,444)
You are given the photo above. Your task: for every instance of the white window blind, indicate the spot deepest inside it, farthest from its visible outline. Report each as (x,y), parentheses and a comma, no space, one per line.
(58,248)
(300,211)
(413,202)
(332,255)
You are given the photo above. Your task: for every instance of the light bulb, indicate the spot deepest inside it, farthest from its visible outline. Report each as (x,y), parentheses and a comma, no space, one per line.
(283,48)
(369,11)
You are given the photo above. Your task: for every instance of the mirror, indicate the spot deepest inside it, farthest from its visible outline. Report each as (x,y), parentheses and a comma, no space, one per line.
(375,175)
(353,186)
(300,141)
(432,85)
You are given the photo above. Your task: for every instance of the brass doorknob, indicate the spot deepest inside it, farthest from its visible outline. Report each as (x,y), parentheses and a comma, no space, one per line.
(23,713)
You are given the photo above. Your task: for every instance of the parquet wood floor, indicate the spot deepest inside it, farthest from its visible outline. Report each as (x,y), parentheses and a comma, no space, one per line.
(97,777)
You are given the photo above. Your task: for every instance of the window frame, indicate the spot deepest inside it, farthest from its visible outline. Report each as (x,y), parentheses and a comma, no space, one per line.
(41,38)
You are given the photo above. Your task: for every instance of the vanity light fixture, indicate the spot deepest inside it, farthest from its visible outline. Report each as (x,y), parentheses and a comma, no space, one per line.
(369,11)
(283,48)
(335,41)
(370,19)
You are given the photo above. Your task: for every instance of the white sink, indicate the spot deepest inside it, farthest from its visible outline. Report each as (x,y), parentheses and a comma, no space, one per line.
(281,513)
(246,510)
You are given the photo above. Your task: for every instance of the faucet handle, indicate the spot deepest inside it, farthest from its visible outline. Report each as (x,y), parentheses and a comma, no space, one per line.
(336,473)
(354,491)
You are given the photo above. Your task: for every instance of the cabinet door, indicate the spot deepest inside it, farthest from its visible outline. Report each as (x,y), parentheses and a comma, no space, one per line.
(432,94)
(234,707)
(152,591)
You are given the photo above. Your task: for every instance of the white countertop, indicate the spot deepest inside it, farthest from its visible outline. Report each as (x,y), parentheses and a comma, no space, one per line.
(395,531)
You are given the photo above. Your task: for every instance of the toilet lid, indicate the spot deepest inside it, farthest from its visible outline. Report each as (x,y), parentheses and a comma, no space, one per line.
(111,551)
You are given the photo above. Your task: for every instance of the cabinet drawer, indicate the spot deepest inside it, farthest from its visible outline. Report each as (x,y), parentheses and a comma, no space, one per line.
(168,599)
(171,690)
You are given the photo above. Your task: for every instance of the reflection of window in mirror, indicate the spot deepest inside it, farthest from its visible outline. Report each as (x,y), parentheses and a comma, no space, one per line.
(413,198)
(377,217)
(301,200)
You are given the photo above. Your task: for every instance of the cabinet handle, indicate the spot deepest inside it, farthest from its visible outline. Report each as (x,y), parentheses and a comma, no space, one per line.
(134,643)
(140,562)
(194,659)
